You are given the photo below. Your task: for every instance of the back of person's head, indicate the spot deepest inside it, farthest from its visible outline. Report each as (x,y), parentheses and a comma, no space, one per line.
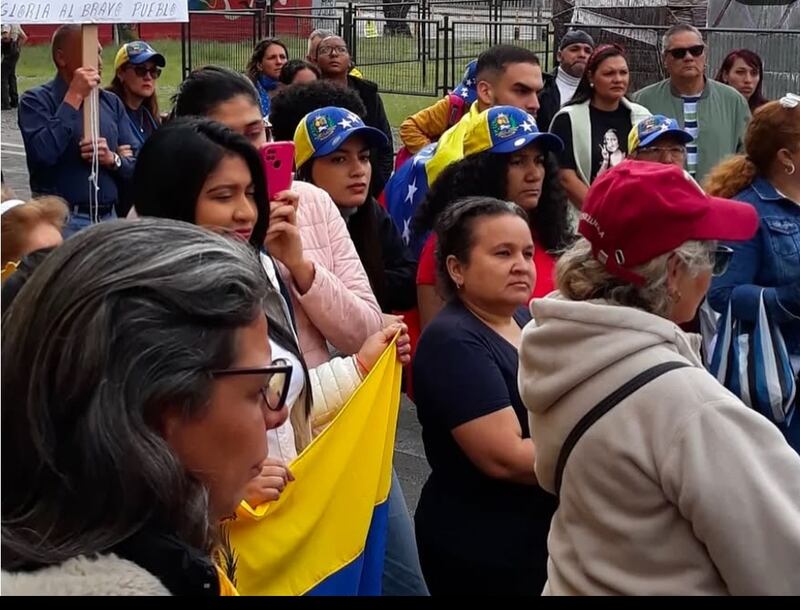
(493,61)
(206,88)
(584,91)
(175,163)
(31,225)
(293,103)
(115,331)
(292,67)
(455,230)
(772,136)
(22,273)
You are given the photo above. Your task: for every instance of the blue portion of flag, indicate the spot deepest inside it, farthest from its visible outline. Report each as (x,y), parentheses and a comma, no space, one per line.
(405,190)
(364,574)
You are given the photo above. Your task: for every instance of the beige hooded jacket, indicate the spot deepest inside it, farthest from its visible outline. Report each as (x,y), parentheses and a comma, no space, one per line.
(678,490)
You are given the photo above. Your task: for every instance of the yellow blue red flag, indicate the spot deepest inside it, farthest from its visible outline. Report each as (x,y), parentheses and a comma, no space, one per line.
(326,535)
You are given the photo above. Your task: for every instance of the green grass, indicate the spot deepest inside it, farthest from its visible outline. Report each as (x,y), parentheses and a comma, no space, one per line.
(36,67)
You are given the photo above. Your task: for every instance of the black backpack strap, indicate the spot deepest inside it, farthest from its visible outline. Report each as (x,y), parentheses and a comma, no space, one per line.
(603,407)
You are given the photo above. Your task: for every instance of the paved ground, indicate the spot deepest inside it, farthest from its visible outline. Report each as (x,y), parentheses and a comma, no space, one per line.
(409,456)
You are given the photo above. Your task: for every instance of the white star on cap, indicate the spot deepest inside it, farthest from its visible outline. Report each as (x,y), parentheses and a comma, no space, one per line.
(412,189)
(345,124)
(527,126)
(353,117)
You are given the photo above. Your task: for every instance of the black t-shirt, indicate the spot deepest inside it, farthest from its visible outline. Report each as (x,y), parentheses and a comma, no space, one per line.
(464,370)
(609,135)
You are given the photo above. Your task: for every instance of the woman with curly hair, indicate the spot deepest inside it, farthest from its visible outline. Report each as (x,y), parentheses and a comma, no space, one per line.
(520,167)
(264,69)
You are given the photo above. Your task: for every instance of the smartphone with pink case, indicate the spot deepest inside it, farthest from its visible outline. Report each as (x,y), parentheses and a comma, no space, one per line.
(277,159)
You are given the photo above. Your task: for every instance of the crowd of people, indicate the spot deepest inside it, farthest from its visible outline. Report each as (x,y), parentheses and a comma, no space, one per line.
(561,262)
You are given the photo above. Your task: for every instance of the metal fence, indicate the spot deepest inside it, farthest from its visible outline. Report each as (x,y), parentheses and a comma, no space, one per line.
(427,57)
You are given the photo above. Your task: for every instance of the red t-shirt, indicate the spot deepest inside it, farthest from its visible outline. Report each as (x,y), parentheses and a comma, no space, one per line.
(543,263)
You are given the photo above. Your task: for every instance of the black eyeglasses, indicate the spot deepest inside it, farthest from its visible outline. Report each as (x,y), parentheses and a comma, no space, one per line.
(695,51)
(329,50)
(276,385)
(722,256)
(663,151)
(142,71)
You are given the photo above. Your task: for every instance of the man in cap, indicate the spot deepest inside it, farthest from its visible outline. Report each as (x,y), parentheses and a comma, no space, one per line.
(559,86)
(58,153)
(659,139)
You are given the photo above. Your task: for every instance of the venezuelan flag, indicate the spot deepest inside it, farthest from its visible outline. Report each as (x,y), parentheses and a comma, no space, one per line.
(410,183)
(327,533)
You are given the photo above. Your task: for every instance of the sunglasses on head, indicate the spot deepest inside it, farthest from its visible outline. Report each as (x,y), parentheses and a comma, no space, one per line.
(721,259)
(695,51)
(142,71)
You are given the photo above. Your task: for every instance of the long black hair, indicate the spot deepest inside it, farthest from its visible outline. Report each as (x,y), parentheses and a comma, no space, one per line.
(584,92)
(208,87)
(364,231)
(175,162)
(485,175)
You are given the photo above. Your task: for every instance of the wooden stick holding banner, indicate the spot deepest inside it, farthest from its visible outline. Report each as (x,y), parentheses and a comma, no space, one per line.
(89,50)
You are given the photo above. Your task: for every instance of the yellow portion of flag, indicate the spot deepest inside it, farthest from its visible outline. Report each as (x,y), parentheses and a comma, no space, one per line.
(321,520)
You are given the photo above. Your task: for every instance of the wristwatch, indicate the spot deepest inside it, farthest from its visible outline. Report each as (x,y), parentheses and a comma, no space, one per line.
(117,161)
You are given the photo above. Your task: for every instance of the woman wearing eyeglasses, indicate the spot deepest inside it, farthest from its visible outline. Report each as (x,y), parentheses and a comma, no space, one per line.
(121,454)
(672,484)
(594,123)
(768,178)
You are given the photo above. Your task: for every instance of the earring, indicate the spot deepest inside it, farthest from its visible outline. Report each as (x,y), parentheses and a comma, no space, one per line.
(591,85)
(790,169)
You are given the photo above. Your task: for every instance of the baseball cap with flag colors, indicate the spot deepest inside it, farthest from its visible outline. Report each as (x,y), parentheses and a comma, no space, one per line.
(507,129)
(136,53)
(323,131)
(638,211)
(648,130)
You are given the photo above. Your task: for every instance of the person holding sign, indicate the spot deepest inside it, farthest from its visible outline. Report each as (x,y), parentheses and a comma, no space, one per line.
(60,156)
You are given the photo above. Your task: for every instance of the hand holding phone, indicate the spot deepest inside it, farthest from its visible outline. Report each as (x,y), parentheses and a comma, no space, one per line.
(277,159)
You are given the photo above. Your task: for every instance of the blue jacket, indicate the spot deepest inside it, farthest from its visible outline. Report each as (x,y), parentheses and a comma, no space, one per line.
(770,261)
(52,129)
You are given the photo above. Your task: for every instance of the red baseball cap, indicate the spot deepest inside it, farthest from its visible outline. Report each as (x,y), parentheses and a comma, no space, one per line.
(639,210)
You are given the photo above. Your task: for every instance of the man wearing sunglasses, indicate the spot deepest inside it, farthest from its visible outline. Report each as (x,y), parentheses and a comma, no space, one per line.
(58,153)
(709,111)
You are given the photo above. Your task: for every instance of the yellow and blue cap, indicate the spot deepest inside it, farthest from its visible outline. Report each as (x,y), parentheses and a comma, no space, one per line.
(323,132)
(648,130)
(507,129)
(138,52)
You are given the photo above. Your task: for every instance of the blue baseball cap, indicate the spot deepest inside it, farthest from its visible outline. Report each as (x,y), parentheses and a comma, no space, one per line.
(506,129)
(323,132)
(648,130)
(468,89)
(138,52)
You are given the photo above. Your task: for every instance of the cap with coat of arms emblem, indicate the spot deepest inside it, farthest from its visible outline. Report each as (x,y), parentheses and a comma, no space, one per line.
(506,129)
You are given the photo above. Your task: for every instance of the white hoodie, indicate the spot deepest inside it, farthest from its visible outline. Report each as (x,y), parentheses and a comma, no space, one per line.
(678,490)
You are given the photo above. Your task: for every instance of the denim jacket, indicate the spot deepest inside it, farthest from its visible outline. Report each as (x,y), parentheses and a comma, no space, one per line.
(770,261)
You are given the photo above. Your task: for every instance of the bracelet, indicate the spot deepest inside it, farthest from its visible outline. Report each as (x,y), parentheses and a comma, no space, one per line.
(361,365)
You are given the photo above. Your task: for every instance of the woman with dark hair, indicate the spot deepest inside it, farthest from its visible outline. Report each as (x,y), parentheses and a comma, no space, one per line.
(743,70)
(520,167)
(122,454)
(482,520)
(595,123)
(339,309)
(332,151)
(199,171)
(264,70)
(299,72)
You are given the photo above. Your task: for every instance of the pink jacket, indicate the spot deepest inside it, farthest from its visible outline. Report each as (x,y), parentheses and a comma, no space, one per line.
(340,307)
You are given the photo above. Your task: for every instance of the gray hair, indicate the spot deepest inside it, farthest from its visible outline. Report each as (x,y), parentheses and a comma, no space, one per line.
(580,276)
(677,29)
(123,321)
(318,33)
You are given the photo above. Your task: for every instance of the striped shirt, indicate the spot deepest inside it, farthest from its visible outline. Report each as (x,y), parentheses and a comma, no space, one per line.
(691,125)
